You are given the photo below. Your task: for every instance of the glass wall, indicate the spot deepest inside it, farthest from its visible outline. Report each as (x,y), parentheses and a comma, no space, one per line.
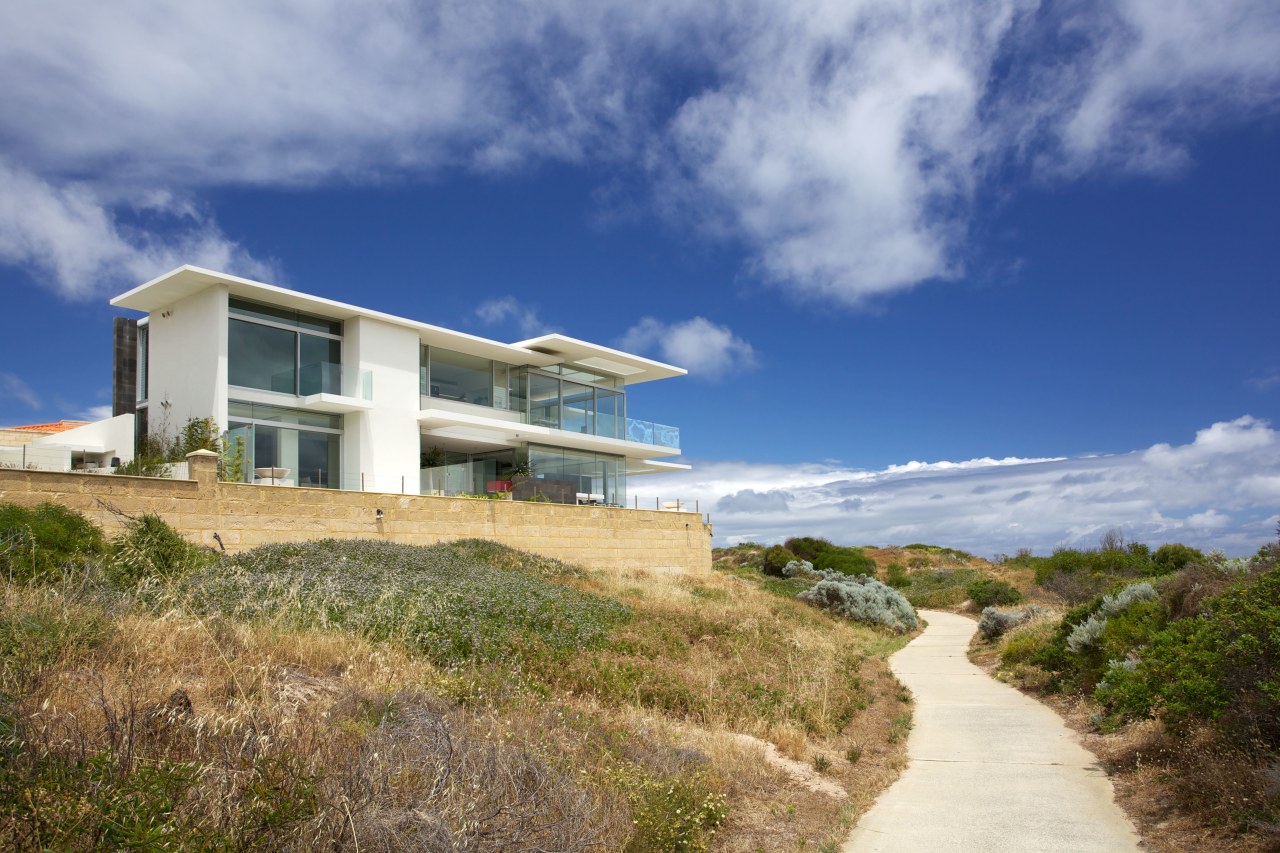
(544,400)
(274,349)
(458,376)
(576,476)
(287,446)
(558,475)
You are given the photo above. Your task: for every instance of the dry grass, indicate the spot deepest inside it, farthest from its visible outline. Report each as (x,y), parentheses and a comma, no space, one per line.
(253,733)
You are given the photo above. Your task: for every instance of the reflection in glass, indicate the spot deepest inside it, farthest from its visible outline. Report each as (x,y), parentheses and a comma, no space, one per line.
(578,408)
(261,357)
(461,377)
(544,401)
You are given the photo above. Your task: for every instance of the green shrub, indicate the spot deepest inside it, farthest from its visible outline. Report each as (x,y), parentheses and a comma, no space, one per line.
(846,561)
(990,592)
(36,542)
(807,547)
(150,548)
(1223,665)
(897,576)
(776,559)
(1023,642)
(1174,556)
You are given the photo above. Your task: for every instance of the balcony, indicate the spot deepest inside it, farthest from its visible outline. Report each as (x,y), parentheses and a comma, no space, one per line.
(648,432)
(328,387)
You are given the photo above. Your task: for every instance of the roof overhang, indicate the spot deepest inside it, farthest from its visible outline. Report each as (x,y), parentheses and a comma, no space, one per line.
(630,368)
(187,280)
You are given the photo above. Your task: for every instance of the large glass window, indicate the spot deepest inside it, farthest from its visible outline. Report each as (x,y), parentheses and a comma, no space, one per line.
(610,413)
(461,377)
(275,349)
(544,401)
(144,361)
(263,357)
(578,407)
(287,446)
(573,476)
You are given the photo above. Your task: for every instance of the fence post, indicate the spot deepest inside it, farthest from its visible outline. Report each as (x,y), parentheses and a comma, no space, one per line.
(402,484)
(362,481)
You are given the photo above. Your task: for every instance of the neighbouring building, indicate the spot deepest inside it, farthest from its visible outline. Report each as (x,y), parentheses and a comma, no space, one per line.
(324,394)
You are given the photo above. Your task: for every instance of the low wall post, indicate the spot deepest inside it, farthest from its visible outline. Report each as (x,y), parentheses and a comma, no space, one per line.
(203,467)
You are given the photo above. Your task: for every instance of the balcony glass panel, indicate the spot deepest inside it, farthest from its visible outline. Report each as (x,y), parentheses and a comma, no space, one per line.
(647,432)
(321,370)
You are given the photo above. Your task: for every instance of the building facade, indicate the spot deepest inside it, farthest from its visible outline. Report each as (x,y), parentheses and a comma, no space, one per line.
(324,394)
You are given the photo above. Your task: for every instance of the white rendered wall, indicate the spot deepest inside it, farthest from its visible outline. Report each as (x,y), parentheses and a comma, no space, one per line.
(383,443)
(188,361)
(108,438)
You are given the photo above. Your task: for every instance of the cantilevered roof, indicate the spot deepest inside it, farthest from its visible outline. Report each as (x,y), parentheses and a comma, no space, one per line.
(544,351)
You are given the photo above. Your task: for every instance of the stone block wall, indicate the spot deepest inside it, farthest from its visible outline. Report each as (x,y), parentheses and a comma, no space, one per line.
(244,515)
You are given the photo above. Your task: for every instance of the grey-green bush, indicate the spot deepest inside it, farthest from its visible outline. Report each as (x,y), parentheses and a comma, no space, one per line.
(1090,630)
(863,599)
(996,623)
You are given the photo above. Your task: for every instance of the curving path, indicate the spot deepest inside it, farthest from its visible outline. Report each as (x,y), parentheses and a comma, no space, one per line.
(990,769)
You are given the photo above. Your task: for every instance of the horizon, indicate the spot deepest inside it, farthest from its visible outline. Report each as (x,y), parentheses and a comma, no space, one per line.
(988,278)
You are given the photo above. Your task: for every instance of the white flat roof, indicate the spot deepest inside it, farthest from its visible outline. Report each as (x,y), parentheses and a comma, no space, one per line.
(543,351)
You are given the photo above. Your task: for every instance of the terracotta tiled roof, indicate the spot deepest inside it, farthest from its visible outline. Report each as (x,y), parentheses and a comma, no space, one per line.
(60,426)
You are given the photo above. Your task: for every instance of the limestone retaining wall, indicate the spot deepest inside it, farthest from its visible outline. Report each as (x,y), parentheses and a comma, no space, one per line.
(246,515)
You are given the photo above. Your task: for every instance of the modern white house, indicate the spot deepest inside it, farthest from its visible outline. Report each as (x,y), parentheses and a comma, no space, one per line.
(325,394)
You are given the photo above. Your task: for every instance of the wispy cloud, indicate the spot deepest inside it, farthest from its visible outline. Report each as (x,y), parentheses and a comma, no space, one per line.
(707,350)
(1221,490)
(509,310)
(14,388)
(1265,381)
(95,413)
(842,144)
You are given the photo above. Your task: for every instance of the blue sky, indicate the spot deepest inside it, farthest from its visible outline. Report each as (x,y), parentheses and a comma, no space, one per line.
(993,275)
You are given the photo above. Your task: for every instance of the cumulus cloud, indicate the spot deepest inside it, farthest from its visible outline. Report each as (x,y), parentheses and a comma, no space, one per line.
(1220,490)
(68,236)
(707,350)
(842,144)
(14,388)
(508,309)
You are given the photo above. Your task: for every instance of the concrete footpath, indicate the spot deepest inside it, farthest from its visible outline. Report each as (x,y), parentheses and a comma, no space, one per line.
(990,769)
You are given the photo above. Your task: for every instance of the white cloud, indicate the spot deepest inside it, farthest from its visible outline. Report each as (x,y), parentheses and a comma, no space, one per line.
(1265,381)
(842,144)
(13,387)
(1218,491)
(69,236)
(705,349)
(95,413)
(508,309)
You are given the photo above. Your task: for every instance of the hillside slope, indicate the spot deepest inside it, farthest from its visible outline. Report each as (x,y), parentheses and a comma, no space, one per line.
(358,695)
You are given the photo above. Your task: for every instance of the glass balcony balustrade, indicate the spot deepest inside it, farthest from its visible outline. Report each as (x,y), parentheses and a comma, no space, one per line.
(328,378)
(648,432)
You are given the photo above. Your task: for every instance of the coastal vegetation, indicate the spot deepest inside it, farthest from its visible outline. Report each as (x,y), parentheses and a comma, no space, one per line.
(466,696)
